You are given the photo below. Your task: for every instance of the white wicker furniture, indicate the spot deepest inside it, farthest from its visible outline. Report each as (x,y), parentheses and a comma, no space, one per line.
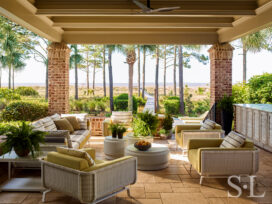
(114,147)
(155,158)
(93,186)
(33,184)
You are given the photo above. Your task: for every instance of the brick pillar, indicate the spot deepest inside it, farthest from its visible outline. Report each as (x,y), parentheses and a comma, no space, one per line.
(220,73)
(58,78)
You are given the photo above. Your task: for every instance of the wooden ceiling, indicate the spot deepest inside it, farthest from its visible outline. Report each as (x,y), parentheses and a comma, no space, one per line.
(121,21)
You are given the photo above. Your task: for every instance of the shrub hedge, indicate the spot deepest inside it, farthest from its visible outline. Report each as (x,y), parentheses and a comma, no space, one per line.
(26,91)
(21,110)
(121,103)
(8,94)
(171,107)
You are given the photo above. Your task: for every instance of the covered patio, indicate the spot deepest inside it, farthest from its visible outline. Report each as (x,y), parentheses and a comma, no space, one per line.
(210,22)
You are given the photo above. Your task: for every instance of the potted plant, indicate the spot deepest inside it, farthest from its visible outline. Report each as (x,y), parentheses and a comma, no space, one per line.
(144,127)
(225,105)
(113,128)
(120,131)
(167,125)
(163,134)
(23,139)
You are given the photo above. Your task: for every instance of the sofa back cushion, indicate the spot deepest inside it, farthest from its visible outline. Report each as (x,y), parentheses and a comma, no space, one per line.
(48,124)
(38,125)
(81,118)
(208,125)
(64,124)
(55,117)
(76,153)
(233,140)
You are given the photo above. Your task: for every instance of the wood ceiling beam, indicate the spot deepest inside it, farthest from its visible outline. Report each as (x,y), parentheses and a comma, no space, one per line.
(112,37)
(141,22)
(127,7)
(247,25)
(23,13)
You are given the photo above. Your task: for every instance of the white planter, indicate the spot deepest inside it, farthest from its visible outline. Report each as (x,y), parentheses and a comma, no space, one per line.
(132,140)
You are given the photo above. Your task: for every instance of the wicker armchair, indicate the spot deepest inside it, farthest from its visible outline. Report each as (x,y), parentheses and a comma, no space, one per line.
(89,185)
(209,160)
(183,133)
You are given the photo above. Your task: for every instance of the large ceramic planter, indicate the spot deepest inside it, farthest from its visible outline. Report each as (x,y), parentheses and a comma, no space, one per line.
(132,140)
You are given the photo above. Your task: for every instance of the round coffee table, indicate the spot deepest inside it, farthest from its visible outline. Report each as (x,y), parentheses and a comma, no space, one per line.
(155,158)
(114,147)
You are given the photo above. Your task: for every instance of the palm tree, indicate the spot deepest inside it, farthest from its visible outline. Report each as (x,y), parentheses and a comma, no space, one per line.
(157,78)
(254,42)
(139,70)
(75,59)
(164,70)
(146,49)
(129,50)
(104,71)
(18,65)
(174,70)
(96,62)
(192,51)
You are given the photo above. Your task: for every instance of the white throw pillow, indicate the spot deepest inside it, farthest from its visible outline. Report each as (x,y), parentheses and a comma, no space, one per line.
(233,140)
(208,125)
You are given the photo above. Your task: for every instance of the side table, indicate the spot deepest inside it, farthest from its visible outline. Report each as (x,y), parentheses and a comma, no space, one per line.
(114,148)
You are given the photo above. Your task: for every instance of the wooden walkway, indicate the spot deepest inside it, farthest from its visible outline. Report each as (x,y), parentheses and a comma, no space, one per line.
(150,103)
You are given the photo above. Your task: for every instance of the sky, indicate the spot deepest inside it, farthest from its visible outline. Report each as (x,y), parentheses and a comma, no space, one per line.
(257,63)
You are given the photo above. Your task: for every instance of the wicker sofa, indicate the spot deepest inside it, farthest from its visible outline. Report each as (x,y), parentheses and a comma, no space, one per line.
(56,137)
(209,160)
(183,133)
(72,176)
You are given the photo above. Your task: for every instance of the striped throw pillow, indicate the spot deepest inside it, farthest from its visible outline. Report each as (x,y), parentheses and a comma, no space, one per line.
(49,124)
(38,125)
(233,140)
(208,125)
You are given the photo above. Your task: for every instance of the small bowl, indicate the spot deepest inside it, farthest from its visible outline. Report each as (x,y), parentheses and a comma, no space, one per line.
(141,147)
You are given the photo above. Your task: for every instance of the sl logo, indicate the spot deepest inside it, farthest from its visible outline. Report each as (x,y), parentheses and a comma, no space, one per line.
(239,190)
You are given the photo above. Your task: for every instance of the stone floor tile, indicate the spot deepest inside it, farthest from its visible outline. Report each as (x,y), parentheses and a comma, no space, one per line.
(10,197)
(191,182)
(167,178)
(158,188)
(186,190)
(149,201)
(152,195)
(183,198)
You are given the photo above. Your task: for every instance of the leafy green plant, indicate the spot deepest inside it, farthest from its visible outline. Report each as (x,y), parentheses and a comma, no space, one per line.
(23,139)
(113,128)
(100,106)
(121,103)
(240,93)
(145,124)
(121,129)
(163,131)
(226,104)
(26,91)
(21,110)
(141,101)
(171,106)
(167,122)
(8,94)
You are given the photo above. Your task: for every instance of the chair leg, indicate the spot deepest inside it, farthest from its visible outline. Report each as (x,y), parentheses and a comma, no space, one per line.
(128,192)
(201,180)
(44,194)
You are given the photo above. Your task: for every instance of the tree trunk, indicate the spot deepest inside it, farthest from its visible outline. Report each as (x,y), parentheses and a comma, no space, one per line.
(93,79)
(104,73)
(174,70)
(157,79)
(0,77)
(13,78)
(9,77)
(76,77)
(139,72)
(244,65)
(87,73)
(46,81)
(130,87)
(164,72)
(181,97)
(143,87)
(110,80)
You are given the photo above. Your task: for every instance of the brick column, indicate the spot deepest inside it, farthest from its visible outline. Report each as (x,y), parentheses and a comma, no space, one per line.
(58,78)
(220,73)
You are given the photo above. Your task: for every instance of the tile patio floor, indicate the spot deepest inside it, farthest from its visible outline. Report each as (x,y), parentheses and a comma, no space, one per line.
(173,185)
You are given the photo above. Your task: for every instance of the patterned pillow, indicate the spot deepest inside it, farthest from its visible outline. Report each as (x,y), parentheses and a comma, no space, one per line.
(208,125)
(233,140)
(55,117)
(48,124)
(76,153)
(38,125)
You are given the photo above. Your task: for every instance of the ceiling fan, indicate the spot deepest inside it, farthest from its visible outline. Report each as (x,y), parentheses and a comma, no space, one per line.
(147,9)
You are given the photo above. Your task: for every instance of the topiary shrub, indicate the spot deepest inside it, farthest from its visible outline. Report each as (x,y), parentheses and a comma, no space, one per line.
(21,110)
(8,94)
(26,91)
(171,106)
(141,101)
(121,103)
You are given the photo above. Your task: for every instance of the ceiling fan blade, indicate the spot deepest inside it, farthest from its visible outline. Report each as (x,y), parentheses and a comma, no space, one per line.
(142,6)
(167,9)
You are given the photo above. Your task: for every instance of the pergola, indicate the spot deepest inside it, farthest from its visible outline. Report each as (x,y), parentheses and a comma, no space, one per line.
(214,22)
